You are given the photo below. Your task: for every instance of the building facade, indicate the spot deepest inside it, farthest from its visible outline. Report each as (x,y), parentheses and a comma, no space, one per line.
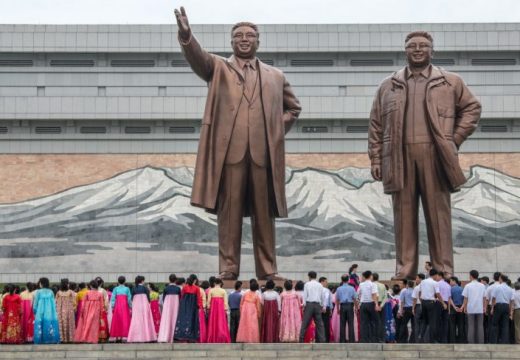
(99,129)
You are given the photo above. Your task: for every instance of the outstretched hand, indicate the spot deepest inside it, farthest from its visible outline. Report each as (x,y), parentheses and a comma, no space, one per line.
(182,23)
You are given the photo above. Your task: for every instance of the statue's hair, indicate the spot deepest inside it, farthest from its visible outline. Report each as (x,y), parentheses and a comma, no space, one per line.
(423,34)
(248,24)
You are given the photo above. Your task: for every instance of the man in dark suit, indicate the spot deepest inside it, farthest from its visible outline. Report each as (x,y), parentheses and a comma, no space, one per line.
(240,168)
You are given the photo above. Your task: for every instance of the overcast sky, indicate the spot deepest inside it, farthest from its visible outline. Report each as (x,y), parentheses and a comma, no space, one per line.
(259,11)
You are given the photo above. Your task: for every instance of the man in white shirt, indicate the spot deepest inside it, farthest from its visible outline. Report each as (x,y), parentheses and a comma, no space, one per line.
(368,296)
(501,299)
(430,294)
(313,307)
(417,310)
(490,328)
(327,303)
(474,306)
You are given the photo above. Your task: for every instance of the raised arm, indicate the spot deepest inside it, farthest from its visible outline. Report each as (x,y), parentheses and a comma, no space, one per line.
(199,59)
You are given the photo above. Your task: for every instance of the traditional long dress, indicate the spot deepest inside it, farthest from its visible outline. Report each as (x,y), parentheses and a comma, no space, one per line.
(271,317)
(27,315)
(46,327)
(390,328)
(142,328)
(89,320)
(65,306)
(156,310)
(170,310)
(290,317)
(79,302)
(188,320)
(218,329)
(121,303)
(12,319)
(250,312)
(104,330)
(334,322)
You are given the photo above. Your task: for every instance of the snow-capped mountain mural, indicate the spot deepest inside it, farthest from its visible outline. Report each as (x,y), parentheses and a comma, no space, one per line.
(341,215)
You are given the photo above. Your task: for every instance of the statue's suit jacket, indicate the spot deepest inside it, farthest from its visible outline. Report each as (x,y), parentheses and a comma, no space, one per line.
(453,114)
(225,91)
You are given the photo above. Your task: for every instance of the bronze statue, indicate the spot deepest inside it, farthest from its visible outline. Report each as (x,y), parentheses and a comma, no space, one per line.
(420,117)
(240,168)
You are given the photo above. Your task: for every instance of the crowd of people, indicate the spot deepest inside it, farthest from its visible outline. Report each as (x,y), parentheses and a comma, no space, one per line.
(434,308)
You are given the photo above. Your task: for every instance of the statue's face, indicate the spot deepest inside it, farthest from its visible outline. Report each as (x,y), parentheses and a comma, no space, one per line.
(419,51)
(244,42)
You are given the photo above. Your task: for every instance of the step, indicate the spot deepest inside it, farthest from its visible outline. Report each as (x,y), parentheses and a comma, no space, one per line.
(260,351)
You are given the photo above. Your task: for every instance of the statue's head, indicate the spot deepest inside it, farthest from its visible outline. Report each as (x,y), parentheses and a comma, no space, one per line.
(419,48)
(245,40)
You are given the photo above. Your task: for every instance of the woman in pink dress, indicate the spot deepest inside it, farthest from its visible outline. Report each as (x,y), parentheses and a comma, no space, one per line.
(334,321)
(170,309)
(291,317)
(218,329)
(155,307)
(27,312)
(142,328)
(65,307)
(89,320)
(121,303)
(250,313)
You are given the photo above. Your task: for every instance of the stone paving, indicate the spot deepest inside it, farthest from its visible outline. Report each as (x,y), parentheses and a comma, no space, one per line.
(259,351)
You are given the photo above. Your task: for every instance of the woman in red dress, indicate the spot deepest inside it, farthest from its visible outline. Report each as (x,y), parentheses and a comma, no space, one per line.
(12,321)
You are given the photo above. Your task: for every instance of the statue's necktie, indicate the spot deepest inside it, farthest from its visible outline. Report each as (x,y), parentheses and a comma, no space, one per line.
(249,77)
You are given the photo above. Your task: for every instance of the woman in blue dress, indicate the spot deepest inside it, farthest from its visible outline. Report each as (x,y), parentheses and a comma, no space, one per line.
(187,328)
(46,328)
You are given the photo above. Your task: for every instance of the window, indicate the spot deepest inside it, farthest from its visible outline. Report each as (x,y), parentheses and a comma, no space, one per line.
(315,129)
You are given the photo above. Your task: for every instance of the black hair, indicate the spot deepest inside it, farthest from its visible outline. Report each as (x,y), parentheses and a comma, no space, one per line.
(73,286)
(253,286)
(219,282)
(64,284)
(44,282)
(485,278)
(367,274)
(269,285)
(9,288)
(396,289)
(172,278)
(121,280)
(504,277)
(344,278)
(496,276)
(473,274)
(352,267)
(410,283)
(238,284)
(211,281)
(180,281)
(375,276)
(191,279)
(94,284)
(421,276)
(205,284)
(153,287)
(433,272)
(299,285)
(139,279)
(322,279)
(288,285)
(100,281)
(312,274)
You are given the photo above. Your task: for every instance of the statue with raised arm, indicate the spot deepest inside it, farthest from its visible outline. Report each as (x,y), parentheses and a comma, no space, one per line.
(420,116)
(240,167)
